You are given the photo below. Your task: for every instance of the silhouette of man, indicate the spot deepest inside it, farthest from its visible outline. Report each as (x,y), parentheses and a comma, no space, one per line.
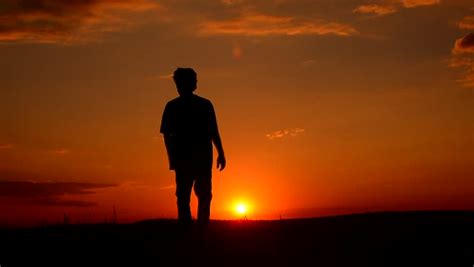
(189,127)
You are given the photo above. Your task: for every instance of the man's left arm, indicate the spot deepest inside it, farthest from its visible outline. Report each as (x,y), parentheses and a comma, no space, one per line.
(216,139)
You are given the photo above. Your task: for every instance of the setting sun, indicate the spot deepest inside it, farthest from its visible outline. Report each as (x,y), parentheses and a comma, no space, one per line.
(241,208)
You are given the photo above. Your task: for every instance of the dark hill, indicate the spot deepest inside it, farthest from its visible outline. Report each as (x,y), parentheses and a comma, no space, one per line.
(374,239)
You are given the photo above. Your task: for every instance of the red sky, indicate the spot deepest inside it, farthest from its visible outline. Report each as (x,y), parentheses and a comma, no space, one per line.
(324,107)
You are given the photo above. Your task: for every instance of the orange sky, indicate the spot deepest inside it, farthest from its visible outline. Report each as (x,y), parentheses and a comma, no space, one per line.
(324,107)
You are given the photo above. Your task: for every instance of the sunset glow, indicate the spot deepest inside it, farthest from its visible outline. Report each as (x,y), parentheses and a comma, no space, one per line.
(323,107)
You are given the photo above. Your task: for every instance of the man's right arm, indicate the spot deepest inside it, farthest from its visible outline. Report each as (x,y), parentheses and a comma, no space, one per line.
(165,129)
(170,150)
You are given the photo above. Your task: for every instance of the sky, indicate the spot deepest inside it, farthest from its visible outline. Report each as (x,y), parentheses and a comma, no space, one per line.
(324,107)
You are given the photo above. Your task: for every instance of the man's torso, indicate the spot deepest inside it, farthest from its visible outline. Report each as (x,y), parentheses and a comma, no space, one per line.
(189,121)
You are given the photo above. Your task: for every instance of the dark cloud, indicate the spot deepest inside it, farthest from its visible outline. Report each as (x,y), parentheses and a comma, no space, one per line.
(47,189)
(463,58)
(464,44)
(64,202)
(65,21)
(49,193)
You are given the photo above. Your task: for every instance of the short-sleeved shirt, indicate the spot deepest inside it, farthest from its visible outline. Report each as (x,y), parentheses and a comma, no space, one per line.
(190,123)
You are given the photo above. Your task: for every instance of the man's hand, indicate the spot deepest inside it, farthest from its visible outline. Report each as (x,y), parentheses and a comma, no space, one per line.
(221,162)
(172,164)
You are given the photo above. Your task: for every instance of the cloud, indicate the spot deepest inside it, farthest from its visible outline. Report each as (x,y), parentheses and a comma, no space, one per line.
(417,3)
(167,187)
(463,53)
(39,189)
(468,80)
(386,8)
(463,58)
(284,133)
(467,65)
(467,23)
(464,44)
(166,76)
(65,21)
(237,51)
(379,10)
(457,62)
(6,146)
(232,2)
(64,202)
(258,24)
(308,62)
(49,193)
(61,151)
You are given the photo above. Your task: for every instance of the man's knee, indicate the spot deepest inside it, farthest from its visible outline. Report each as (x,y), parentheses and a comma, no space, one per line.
(184,185)
(204,195)
(203,191)
(183,197)
(203,186)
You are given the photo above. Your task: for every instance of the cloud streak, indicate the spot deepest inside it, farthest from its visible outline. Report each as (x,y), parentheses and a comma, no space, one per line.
(467,23)
(6,146)
(166,76)
(231,2)
(61,151)
(49,193)
(386,8)
(65,21)
(379,10)
(467,67)
(284,133)
(258,24)
(237,51)
(417,3)
(168,187)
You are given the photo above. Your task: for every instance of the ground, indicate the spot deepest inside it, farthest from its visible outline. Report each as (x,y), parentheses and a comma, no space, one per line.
(375,239)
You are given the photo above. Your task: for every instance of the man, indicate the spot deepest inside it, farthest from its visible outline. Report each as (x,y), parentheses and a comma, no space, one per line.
(189,127)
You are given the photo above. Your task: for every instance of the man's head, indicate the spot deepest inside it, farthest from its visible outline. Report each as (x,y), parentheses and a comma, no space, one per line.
(185,80)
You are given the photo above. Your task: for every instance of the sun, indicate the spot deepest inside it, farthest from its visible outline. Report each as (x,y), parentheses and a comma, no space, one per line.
(241,208)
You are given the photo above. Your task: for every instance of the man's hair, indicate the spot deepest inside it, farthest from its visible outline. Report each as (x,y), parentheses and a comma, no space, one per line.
(185,79)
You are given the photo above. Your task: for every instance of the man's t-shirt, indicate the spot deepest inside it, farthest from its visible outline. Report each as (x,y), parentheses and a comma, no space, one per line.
(190,122)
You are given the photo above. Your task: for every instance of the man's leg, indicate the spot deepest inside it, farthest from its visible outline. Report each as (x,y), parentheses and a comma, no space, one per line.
(184,185)
(203,190)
